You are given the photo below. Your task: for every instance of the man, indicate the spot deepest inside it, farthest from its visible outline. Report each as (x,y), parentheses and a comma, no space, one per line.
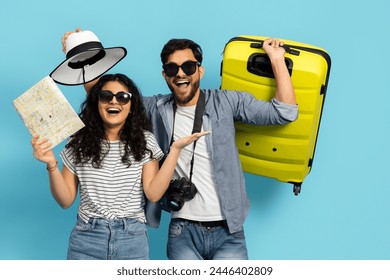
(210,225)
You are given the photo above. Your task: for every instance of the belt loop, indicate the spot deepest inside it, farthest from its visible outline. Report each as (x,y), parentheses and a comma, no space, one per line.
(124,224)
(93,222)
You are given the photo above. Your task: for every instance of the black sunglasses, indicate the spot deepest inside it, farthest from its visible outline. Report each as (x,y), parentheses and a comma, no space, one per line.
(188,67)
(122,97)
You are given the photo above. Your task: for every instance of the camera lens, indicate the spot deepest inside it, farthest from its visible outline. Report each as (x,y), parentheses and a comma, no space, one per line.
(180,191)
(175,205)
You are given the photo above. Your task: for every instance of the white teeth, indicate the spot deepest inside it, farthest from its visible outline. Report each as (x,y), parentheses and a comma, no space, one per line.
(183,82)
(113,110)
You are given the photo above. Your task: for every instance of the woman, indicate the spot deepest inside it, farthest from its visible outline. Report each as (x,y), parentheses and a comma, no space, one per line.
(114,160)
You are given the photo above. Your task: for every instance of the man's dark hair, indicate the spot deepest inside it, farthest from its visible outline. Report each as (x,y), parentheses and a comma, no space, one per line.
(181,44)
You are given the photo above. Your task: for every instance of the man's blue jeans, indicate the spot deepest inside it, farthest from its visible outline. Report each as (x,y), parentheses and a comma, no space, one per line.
(189,241)
(100,239)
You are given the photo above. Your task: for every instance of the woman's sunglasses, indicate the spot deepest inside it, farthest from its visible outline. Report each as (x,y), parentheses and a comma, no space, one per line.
(188,67)
(122,97)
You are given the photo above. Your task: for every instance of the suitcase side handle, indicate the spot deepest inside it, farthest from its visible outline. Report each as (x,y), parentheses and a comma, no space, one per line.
(287,48)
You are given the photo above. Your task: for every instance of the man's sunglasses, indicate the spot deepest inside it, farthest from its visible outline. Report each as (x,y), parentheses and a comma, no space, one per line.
(122,97)
(188,67)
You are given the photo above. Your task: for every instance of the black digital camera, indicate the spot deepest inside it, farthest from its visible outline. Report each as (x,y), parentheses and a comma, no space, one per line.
(179,191)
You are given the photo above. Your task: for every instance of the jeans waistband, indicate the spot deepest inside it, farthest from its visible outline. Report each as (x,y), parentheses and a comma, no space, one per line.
(208,224)
(112,223)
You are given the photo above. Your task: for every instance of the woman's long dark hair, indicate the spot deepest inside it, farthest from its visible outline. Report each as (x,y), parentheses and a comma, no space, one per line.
(87,143)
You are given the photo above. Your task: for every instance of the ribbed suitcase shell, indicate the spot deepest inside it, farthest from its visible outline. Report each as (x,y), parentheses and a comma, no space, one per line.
(283,152)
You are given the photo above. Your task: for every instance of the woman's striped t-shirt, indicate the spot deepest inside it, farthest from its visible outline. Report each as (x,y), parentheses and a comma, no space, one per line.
(114,190)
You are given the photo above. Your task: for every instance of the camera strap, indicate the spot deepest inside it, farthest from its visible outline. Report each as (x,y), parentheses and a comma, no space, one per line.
(200,105)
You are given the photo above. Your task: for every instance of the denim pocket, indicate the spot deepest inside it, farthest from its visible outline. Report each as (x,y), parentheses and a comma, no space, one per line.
(82,226)
(176,228)
(135,227)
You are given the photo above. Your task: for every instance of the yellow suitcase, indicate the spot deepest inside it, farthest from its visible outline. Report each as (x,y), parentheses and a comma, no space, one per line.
(282,152)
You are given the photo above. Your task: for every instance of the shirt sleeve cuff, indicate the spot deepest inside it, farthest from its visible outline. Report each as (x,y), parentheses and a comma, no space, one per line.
(287,111)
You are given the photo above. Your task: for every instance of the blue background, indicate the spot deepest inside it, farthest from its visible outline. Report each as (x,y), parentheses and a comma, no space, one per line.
(343,209)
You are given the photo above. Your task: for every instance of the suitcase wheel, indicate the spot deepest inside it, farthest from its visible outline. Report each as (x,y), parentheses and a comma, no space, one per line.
(297,188)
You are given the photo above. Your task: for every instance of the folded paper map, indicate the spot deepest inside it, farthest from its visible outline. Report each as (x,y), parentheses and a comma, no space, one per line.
(46,112)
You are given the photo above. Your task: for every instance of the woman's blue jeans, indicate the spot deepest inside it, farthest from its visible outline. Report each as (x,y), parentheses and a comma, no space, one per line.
(101,239)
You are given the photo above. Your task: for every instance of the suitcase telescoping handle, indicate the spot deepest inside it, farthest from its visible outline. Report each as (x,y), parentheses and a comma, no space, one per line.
(287,48)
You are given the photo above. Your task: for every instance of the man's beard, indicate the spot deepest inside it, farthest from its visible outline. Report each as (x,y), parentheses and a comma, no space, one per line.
(182,100)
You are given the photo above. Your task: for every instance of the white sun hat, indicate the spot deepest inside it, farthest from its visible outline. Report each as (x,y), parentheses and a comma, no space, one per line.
(86,59)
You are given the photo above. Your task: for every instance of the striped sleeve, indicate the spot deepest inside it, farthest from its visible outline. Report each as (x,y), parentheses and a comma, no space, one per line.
(68,159)
(152,145)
